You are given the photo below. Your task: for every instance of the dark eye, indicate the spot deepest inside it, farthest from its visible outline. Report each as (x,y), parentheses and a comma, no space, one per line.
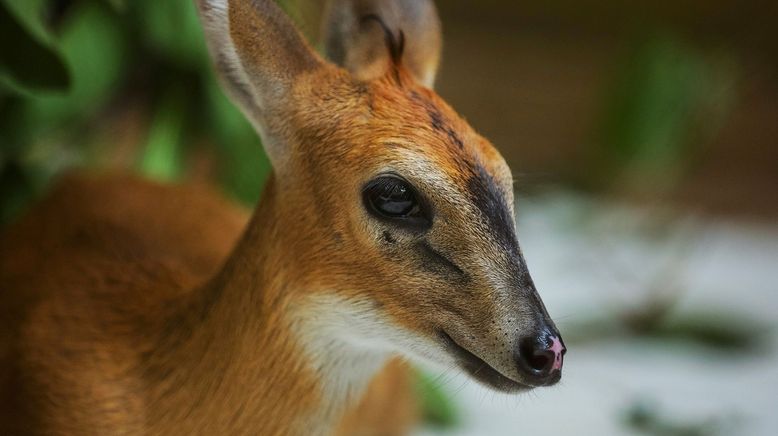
(392,198)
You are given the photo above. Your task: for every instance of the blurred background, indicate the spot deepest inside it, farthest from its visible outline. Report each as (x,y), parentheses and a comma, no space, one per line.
(642,136)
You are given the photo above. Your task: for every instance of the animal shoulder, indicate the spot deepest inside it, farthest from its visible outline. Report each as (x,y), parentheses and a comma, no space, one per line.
(92,242)
(125,218)
(117,234)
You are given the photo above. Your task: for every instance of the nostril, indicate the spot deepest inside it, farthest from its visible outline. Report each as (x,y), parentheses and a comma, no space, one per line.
(540,357)
(534,357)
(541,361)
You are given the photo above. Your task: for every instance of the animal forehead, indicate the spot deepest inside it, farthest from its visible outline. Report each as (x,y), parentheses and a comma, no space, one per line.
(467,184)
(436,130)
(424,110)
(413,130)
(420,117)
(443,147)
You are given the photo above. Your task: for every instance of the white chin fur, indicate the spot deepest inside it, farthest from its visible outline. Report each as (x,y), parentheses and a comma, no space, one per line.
(348,341)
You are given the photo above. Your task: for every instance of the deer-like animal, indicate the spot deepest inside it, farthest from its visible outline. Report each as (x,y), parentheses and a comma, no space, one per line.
(386,231)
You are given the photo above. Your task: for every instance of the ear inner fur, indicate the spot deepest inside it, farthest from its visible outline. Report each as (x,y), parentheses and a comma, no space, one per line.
(410,36)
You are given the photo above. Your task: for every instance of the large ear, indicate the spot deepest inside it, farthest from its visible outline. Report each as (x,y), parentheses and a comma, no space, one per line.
(364,36)
(258,55)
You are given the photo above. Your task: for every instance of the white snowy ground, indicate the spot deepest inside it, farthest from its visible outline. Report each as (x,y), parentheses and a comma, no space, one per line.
(588,258)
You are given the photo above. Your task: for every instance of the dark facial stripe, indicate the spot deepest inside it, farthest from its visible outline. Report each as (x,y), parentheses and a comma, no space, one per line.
(454,138)
(489,199)
(484,192)
(437,122)
(435,261)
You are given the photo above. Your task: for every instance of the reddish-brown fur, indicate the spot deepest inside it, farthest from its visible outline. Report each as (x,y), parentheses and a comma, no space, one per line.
(75,362)
(130,307)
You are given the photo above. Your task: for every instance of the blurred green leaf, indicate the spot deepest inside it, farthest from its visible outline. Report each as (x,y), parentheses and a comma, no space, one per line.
(718,331)
(660,111)
(94,46)
(119,5)
(659,92)
(15,190)
(725,331)
(171,28)
(438,410)
(27,57)
(11,137)
(30,14)
(645,417)
(162,155)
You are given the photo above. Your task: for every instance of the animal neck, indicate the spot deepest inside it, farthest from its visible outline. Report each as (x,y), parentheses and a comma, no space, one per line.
(261,345)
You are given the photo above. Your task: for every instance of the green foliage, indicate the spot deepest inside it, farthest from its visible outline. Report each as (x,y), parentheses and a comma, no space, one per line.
(171,30)
(668,100)
(66,65)
(722,332)
(162,159)
(27,59)
(437,408)
(95,49)
(646,418)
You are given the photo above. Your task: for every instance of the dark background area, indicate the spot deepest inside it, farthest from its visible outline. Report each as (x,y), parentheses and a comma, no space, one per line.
(556,84)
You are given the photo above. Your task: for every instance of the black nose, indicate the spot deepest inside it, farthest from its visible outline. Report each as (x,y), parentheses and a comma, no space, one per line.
(540,358)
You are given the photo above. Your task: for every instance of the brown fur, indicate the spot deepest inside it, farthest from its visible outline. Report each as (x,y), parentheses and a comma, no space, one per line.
(389,407)
(74,362)
(134,308)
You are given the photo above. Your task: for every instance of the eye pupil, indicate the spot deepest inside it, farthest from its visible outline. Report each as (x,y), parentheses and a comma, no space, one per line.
(398,193)
(390,197)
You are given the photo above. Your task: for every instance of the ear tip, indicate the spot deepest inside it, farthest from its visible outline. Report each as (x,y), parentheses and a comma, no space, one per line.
(394,43)
(411,37)
(210,5)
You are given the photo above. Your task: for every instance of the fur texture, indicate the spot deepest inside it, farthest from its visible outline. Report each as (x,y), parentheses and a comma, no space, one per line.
(133,308)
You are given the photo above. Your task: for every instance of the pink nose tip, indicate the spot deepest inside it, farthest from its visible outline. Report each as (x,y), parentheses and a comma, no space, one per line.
(540,358)
(558,349)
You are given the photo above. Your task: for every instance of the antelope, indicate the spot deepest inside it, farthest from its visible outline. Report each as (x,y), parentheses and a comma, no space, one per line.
(384,233)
